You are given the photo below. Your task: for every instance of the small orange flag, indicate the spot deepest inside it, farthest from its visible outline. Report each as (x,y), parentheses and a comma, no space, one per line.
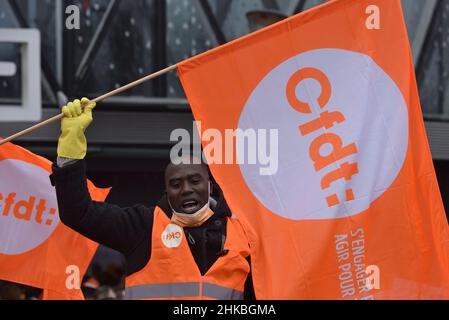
(36,249)
(328,166)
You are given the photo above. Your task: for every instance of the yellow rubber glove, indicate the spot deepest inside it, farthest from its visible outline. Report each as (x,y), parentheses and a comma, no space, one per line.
(77,117)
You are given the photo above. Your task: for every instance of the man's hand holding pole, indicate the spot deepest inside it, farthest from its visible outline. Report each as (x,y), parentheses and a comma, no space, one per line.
(72,142)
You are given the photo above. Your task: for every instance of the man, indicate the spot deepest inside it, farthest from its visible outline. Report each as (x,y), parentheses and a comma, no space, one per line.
(187,246)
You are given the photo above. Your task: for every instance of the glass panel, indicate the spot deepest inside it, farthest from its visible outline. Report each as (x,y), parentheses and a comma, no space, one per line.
(285,6)
(412,13)
(125,52)
(36,16)
(235,24)
(188,34)
(41,15)
(312,3)
(6,16)
(11,87)
(433,72)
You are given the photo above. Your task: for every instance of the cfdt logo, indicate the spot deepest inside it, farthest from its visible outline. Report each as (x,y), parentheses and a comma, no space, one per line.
(343,134)
(28,216)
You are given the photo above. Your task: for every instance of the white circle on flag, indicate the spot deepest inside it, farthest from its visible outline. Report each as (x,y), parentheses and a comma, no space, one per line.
(376,121)
(172,236)
(28,207)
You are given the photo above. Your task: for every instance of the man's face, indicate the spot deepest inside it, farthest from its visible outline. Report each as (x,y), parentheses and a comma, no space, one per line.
(187,187)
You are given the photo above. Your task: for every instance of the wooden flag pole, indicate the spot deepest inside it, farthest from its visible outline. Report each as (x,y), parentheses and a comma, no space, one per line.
(98,99)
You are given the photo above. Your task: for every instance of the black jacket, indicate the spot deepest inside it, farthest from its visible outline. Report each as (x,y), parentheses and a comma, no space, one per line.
(129,230)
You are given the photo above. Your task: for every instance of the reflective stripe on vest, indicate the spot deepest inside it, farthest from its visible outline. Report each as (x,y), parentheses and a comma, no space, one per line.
(163,290)
(179,290)
(222,293)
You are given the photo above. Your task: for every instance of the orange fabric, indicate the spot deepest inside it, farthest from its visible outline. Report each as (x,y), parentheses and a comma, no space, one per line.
(403,231)
(177,265)
(47,263)
(55,295)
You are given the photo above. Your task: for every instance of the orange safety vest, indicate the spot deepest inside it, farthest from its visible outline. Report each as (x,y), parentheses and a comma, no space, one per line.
(172,272)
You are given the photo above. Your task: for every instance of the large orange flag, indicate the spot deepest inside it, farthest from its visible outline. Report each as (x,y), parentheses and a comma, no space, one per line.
(36,249)
(332,174)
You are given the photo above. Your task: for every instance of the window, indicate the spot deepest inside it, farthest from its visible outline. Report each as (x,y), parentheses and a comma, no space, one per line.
(433,67)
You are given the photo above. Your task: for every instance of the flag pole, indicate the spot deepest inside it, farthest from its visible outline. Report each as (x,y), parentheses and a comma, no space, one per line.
(97,99)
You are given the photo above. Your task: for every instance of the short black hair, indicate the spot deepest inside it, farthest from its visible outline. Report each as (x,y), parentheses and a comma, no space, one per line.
(192,160)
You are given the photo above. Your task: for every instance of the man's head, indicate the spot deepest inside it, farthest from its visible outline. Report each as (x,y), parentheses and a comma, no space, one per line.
(187,186)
